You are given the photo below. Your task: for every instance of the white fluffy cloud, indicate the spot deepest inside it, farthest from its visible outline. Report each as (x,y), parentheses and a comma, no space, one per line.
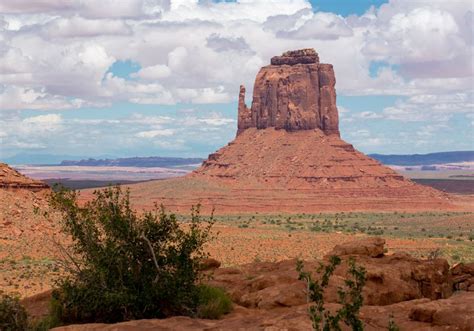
(86,8)
(323,26)
(155,72)
(199,52)
(14,97)
(57,54)
(77,26)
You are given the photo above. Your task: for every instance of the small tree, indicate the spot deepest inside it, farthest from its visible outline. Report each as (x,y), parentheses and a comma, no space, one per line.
(350,297)
(124,265)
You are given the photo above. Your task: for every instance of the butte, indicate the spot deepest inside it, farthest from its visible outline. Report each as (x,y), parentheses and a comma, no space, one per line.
(288,156)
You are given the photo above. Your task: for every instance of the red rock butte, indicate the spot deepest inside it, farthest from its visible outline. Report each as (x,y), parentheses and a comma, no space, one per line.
(288,156)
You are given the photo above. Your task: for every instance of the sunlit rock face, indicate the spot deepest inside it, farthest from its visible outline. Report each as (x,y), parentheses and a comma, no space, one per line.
(295,92)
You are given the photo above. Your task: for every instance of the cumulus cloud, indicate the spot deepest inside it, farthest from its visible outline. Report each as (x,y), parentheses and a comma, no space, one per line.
(427,39)
(155,72)
(222,44)
(57,55)
(14,97)
(325,26)
(81,27)
(41,6)
(87,8)
(200,51)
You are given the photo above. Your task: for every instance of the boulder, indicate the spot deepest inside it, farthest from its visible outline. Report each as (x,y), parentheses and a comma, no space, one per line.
(373,247)
(209,264)
(456,311)
(463,276)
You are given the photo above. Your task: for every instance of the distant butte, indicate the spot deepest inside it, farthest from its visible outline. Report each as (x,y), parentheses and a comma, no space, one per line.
(288,156)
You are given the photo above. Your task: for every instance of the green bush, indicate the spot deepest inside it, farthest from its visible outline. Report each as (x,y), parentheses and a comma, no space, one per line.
(13,315)
(350,297)
(213,302)
(124,265)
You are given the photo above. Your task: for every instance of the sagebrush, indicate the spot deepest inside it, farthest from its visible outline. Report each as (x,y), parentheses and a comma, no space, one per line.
(124,265)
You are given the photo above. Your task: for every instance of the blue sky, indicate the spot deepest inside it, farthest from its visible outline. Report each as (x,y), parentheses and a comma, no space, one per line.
(143,78)
(345,7)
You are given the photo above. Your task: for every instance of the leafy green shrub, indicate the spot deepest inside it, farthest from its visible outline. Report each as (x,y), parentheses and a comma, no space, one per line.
(350,297)
(213,302)
(124,265)
(13,315)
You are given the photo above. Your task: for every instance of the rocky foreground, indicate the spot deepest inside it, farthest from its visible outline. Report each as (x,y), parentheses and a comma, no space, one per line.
(416,294)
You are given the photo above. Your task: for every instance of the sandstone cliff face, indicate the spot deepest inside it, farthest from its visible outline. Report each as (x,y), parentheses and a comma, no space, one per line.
(295,92)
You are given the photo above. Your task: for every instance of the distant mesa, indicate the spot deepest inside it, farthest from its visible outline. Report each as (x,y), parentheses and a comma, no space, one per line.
(295,92)
(426,159)
(288,156)
(151,161)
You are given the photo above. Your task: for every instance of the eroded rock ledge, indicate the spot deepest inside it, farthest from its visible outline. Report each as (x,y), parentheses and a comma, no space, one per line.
(301,56)
(11,179)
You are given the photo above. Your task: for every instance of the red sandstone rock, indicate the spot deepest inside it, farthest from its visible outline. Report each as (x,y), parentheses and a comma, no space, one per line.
(390,279)
(269,296)
(463,277)
(295,92)
(12,179)
(209,264)
(301,56)
(456,311)
(373,247)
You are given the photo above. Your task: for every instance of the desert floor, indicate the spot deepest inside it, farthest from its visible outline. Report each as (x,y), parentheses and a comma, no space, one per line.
(27,269)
